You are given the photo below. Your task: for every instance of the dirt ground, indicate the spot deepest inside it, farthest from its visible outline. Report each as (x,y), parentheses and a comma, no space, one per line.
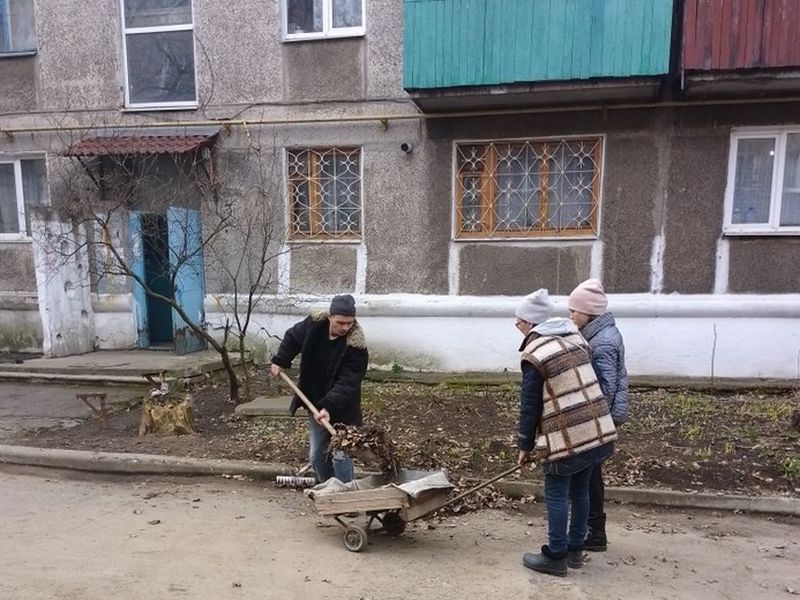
(741,443)
(93,539)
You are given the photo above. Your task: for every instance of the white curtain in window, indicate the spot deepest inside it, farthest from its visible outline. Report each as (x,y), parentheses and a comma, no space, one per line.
(346,13)
(517,184)
(790,203)
(341,193)
(755,158)
(572,171)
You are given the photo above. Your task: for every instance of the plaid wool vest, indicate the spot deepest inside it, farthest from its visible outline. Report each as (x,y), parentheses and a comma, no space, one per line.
(575,416)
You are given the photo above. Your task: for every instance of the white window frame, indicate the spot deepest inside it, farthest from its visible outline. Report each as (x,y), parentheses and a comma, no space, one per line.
(126,31)
(773,226)
(328,31)
(542,239)
(22,235)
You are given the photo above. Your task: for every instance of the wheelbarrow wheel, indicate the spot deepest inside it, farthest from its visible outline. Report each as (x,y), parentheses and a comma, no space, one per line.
(393,524)
(355,538)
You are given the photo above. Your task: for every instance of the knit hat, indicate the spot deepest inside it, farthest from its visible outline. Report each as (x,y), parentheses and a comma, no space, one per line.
(343,305)
(589,298)
(535,308)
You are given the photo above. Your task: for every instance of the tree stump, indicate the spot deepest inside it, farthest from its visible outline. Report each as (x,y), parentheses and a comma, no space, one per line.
(167,417)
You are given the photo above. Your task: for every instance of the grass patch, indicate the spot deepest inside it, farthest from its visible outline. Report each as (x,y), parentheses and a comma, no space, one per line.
(790,468)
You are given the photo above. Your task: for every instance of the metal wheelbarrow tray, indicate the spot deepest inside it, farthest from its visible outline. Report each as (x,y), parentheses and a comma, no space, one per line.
(391,502)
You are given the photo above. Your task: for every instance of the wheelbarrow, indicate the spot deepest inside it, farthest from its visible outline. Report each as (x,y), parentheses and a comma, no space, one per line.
(388,502)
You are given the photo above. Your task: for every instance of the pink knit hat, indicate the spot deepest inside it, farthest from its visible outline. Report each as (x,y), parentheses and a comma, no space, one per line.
(589,298)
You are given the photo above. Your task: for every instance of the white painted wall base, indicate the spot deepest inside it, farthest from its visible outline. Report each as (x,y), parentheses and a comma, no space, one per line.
(665,335)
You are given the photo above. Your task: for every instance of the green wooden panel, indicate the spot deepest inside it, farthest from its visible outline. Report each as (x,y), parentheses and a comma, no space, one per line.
(451,43)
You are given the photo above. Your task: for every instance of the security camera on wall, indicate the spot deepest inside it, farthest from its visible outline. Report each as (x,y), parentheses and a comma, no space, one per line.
(407,147)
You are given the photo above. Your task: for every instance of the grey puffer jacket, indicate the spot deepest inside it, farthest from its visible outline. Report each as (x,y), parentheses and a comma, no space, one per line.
(608,360)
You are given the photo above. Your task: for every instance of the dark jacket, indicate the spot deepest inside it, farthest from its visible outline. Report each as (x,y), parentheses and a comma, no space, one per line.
(608,360)
(340,378)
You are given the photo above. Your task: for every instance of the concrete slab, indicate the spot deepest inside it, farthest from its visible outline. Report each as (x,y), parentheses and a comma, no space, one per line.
(121,363)
(265,406)
(31,406)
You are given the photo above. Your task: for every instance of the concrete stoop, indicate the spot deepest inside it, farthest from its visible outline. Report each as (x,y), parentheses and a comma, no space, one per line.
(114,367)
(149,464)
(267,407)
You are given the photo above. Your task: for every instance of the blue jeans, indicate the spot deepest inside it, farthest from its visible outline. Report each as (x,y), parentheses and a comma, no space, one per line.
(326,466)
(558,490)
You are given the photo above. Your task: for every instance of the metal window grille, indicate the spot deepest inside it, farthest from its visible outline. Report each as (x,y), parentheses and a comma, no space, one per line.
(528,188)
(325,193)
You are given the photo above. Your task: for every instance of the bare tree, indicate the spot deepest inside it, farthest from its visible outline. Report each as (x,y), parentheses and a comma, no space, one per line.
(160,220)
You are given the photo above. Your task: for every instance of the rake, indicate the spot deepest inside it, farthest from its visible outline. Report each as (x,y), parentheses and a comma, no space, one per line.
(297,480)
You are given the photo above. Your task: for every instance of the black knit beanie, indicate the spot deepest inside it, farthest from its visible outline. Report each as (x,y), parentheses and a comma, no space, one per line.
(343,305)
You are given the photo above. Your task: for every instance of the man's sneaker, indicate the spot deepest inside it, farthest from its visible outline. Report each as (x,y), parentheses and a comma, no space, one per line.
(544,564)
(596,541)
(575,559)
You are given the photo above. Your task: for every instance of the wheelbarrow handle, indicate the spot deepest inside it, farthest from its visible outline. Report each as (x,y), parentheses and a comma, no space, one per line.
(314,411)
(482,485)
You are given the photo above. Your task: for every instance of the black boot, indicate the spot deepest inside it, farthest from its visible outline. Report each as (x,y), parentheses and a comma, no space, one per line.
(546,562)
(575,559)
(596,541)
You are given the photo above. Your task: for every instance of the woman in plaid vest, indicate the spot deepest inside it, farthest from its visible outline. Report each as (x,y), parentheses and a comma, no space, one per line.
(565,419)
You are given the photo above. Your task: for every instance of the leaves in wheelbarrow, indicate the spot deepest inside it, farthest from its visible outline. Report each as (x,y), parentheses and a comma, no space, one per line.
(370,440)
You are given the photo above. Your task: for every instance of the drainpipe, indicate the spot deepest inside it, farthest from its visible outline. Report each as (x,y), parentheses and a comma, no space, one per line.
(673,83)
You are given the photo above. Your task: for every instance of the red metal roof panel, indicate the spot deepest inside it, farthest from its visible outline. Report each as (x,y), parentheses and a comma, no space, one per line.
(721,35)
(138,145)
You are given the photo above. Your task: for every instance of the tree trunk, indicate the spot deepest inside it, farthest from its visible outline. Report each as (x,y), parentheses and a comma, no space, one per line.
(244,366)
(233,378)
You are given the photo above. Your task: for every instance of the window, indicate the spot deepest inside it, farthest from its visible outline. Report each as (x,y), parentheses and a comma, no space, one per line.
(316,19)
(159,54)
(325,193)
(763,194)
(17,31)
(524,189)
(22,185)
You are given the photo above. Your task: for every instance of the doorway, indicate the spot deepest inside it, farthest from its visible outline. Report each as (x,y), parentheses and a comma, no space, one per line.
(160,245)
(155,250)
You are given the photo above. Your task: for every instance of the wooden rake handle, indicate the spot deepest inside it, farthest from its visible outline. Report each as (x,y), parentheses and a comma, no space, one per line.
(482,485)
(307,402)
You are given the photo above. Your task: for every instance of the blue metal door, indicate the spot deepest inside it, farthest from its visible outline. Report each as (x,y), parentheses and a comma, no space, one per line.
(136,264)
(186,257)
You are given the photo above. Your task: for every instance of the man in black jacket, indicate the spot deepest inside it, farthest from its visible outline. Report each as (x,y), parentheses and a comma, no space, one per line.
(334,362)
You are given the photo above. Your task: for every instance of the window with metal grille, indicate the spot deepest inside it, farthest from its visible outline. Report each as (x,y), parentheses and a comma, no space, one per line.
(324,193)
(530,188)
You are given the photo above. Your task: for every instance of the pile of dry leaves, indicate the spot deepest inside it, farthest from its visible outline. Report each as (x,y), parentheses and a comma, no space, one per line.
(369,443)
